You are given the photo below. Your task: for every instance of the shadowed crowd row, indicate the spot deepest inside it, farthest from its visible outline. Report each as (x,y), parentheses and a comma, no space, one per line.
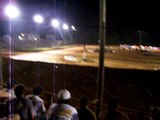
(19,106)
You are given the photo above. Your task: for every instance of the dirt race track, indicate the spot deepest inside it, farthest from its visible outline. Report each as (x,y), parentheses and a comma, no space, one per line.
(75,55)
(132,76)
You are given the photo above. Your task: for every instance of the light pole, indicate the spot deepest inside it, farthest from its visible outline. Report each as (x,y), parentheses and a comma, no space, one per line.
(84,52)
(101,69)
(38,19)
(72,30)
(1,76)
(140,36)
(66,28)
(55,23)
(12,12)
(83,45)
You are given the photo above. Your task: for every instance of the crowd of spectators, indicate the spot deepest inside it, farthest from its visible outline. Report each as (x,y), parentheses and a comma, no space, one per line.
(17,105)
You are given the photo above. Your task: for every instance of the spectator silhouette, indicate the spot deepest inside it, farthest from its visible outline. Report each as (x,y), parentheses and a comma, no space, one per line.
(84,113)
(38,103)
(62,110)
(8,93)
(20,105)
(113,112)
(140,116)
(10,88)
(155,113)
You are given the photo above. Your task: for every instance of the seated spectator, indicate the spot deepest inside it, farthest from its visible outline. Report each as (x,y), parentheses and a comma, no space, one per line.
(113,112)
(5,94)
(38,104)
(19,105)
(14,117)
(84,113)
(10,88)
(155,112)
(62,110)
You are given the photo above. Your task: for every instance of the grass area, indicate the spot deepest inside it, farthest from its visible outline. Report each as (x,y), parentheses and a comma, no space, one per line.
(39,49)
(35,49)
(153,61)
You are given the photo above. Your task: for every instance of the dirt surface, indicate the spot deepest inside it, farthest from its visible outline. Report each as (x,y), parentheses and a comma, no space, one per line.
(114,58)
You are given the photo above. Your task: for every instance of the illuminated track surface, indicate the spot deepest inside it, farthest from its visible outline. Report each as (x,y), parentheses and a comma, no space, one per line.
(75,55)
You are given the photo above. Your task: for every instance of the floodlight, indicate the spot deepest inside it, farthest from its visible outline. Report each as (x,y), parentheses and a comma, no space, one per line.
(12,11)
(73,28)
(55,23)
(38,18)
(22,34)
(65,26)
(20,38)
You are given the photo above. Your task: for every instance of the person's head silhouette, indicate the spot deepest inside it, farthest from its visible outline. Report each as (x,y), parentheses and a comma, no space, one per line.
(112,104)
(84,101)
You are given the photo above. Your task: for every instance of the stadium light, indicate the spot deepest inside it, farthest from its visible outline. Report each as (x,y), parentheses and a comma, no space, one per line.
(12,11)
(38,19)
(55,23)
(73,28)
(65,26)
(62,26)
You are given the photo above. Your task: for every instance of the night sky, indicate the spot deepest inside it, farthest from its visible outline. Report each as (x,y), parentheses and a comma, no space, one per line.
(121,15)
(134,14)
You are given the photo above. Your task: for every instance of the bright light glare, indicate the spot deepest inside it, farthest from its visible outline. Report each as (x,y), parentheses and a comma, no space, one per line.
(73,28)
(38,19)
(35,39)
(55,23)
(65,27)
(11,11)
(22,34)
(20,38)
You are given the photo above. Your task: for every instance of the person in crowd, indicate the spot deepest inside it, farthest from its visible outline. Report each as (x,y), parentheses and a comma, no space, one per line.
(38,103)
(10,88)
(140,116)
(113,113)
(155,113)
(62,110)
(6,94)
(84,113)
(20,105)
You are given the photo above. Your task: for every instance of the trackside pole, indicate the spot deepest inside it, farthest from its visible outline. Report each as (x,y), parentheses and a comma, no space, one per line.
(1,78)
(101,69)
